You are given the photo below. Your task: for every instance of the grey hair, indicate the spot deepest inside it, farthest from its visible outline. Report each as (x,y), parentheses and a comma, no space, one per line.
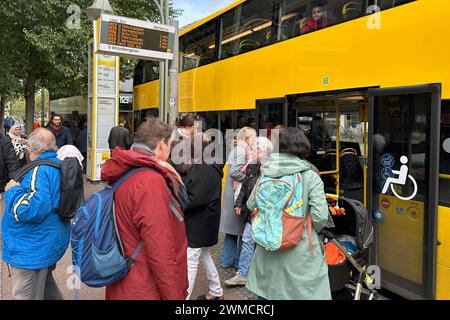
(41,141)
(263,144)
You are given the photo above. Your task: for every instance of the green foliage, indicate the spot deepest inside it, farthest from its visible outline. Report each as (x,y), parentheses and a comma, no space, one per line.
(40,27)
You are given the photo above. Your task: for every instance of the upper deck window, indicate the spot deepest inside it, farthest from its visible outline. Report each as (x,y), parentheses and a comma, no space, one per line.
(257,23)
(247,27)
(198,47)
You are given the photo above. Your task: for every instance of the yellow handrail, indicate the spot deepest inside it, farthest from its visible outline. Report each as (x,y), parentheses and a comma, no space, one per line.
(323,173)
(444,176)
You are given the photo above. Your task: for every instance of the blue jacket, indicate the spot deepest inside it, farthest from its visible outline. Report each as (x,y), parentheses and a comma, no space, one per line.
(33,235)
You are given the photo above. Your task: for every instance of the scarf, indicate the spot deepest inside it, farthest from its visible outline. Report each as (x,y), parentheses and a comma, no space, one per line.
(19,148)
(248,158)
(176,183)
(56,128)
(11,132)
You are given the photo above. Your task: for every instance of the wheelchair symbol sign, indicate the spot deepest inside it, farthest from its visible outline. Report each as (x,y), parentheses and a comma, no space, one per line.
(387,160)
(402,176)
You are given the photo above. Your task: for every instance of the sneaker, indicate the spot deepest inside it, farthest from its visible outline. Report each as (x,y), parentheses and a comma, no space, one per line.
(236,281)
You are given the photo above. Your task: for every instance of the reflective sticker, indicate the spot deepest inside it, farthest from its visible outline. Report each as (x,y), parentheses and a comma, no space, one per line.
(378,215)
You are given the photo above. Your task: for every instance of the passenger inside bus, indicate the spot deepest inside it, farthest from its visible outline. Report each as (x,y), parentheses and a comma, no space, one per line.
(318,20)
(320,139)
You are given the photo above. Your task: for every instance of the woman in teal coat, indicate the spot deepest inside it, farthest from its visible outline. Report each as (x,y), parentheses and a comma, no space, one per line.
(293,274)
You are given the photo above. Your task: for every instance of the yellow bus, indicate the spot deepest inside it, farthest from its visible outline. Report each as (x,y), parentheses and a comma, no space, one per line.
(368,80)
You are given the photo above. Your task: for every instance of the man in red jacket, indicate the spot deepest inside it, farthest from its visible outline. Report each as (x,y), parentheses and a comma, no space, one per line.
(148,208)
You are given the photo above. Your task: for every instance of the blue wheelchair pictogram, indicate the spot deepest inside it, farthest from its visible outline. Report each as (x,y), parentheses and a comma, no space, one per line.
(386,173)
(387,160)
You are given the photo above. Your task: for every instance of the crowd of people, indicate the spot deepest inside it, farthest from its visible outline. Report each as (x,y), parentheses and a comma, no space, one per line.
(175,211)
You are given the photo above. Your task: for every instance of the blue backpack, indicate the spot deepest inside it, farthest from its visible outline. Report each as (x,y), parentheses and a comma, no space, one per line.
(278,222)
(97,251)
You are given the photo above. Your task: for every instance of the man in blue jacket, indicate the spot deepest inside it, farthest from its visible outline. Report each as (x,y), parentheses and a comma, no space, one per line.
(34,238)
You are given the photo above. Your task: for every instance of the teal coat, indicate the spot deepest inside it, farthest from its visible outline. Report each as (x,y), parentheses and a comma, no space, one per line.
(293,274)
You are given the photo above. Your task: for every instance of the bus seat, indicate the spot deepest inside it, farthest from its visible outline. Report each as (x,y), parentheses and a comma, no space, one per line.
(248,44)
(302,23)
(351,10)
(348,150)
(350,171)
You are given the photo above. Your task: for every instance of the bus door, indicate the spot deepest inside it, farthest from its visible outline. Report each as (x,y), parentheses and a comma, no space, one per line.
(402,189)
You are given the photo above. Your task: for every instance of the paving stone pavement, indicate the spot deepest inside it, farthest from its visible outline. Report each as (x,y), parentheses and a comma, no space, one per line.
(63,277)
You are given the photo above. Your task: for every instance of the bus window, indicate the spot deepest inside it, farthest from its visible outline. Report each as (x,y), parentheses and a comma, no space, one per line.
(209,120)
(246,27)
(387,4)
(198,47)
(444,185)
(150,71)
(245,118)
(269,115)
(293,12)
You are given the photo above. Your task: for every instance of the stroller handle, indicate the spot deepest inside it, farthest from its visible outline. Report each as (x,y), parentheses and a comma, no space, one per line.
(348,256)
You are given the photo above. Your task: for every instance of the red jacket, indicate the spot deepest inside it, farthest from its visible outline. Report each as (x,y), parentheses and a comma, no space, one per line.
(142,210)
(312,25)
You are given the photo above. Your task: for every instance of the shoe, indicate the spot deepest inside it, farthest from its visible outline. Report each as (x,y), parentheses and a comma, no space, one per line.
(236,281)
(206,297)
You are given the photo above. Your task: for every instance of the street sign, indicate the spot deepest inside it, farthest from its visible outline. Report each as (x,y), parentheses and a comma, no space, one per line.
(122,36)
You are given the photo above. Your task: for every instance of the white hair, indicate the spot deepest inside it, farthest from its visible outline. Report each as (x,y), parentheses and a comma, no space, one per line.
(263,145)
(42,140)
(379,141)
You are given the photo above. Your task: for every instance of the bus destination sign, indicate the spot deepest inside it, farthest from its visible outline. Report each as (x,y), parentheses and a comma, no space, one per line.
(134,38)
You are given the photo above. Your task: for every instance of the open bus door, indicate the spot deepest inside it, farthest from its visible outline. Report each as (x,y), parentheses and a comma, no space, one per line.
(402,189)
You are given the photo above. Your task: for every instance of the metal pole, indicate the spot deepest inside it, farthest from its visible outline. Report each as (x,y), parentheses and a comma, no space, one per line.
(173,78)
(163,7)
(1,251)
(42,107)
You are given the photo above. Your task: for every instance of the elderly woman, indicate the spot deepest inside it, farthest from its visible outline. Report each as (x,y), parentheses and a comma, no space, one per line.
(261,148)
(20,145)
(231,224)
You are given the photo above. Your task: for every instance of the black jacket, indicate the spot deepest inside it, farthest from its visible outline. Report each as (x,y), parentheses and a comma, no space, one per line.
(119,136)
(63,137)
(9,164)
(202,214)
(251,176)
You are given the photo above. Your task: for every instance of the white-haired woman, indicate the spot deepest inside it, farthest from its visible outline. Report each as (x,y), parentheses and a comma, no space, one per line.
(261,148)
(20,145)
(230,223)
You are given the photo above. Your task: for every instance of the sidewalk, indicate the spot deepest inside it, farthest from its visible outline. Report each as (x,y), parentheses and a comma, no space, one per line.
(62,273)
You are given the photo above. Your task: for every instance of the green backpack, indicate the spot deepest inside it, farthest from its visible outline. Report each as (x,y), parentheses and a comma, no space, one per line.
(278,222)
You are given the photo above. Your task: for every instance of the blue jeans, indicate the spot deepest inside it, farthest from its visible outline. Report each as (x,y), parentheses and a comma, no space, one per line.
(248,248)
(231,251)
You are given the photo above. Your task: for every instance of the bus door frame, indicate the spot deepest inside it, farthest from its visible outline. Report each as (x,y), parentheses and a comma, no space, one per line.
(430,232)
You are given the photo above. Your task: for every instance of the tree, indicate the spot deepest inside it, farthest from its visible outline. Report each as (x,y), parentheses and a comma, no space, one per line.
(45,52)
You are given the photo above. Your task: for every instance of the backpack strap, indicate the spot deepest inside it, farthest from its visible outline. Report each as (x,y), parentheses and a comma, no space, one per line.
(117,184)
(23,171)
(309,223)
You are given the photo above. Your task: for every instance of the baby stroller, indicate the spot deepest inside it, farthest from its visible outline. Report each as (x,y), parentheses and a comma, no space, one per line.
(350,276)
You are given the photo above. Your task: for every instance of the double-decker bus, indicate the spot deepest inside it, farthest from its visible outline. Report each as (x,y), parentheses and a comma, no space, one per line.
(369,82)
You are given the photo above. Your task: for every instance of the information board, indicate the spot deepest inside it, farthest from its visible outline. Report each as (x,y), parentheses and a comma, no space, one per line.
(134,38)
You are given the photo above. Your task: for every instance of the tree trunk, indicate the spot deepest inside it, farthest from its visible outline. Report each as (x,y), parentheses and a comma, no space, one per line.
(2,111)
(30,91)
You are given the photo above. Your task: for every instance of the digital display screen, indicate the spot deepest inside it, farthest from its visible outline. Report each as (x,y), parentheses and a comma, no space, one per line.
(124,35)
